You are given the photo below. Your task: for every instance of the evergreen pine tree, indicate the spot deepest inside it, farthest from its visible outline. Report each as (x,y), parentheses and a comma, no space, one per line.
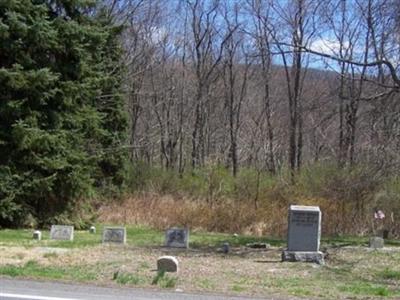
(61,118)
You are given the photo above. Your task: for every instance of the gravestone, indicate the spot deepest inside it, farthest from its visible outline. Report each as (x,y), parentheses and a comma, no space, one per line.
(167,264)
(177,238)
(225,248)
(304,234)
(92,229)
(114,235)
(37,235)
(376,242)
(62,232)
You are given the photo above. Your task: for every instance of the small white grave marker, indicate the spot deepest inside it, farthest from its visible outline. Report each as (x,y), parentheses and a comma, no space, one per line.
(37,235)
(92,229)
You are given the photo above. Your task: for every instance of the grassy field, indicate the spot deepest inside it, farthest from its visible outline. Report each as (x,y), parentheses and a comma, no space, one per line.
(352,271)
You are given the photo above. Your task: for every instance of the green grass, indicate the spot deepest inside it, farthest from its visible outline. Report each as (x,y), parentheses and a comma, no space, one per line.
(290,283)
(158,277)
(389,274)
(164,280)
(206,284)
(238,288)
(50,255)
(138,236)
(144,265)
(23,237)
(143,236)
(35,270)
(201,239)
(168,282)
(338,241)
(301,292)
(392,242)
(366,289)
(127,278)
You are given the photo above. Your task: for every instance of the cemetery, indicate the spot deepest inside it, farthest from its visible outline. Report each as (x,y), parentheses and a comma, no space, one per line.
(234,147)
(305,265)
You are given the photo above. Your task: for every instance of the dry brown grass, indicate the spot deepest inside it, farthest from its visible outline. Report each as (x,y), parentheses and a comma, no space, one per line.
(164,211)
(268,219)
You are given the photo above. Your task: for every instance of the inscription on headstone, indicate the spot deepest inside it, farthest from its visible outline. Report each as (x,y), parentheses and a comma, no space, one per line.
(177,237)
(114,235)
(304,230)
(62,232)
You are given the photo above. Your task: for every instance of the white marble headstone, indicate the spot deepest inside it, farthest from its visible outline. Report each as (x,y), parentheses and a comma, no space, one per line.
(114,235)
(92,229)
(37,235)
(304,230)
(62,232)
(177,237)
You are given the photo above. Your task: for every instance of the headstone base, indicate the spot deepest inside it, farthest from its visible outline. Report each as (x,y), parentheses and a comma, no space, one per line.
(301,256)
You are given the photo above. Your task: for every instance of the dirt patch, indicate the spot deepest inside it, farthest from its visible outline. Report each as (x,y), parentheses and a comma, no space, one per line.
(20,255)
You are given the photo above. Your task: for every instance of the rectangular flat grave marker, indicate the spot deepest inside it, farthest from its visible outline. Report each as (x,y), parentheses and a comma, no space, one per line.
(114,235)
(62,232)
(376,242)
(177,238)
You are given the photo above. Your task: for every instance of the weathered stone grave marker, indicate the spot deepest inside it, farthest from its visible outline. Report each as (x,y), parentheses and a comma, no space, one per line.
(304,234)
(376,242)
(62,232)
(114,235)
(167,264)
(226,248)
(177,238)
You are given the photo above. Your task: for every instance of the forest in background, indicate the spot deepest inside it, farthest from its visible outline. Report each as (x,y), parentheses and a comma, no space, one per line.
(227,111)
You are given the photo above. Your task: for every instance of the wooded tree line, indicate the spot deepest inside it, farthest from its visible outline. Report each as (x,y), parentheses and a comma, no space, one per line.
(90,88)
(262,83)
